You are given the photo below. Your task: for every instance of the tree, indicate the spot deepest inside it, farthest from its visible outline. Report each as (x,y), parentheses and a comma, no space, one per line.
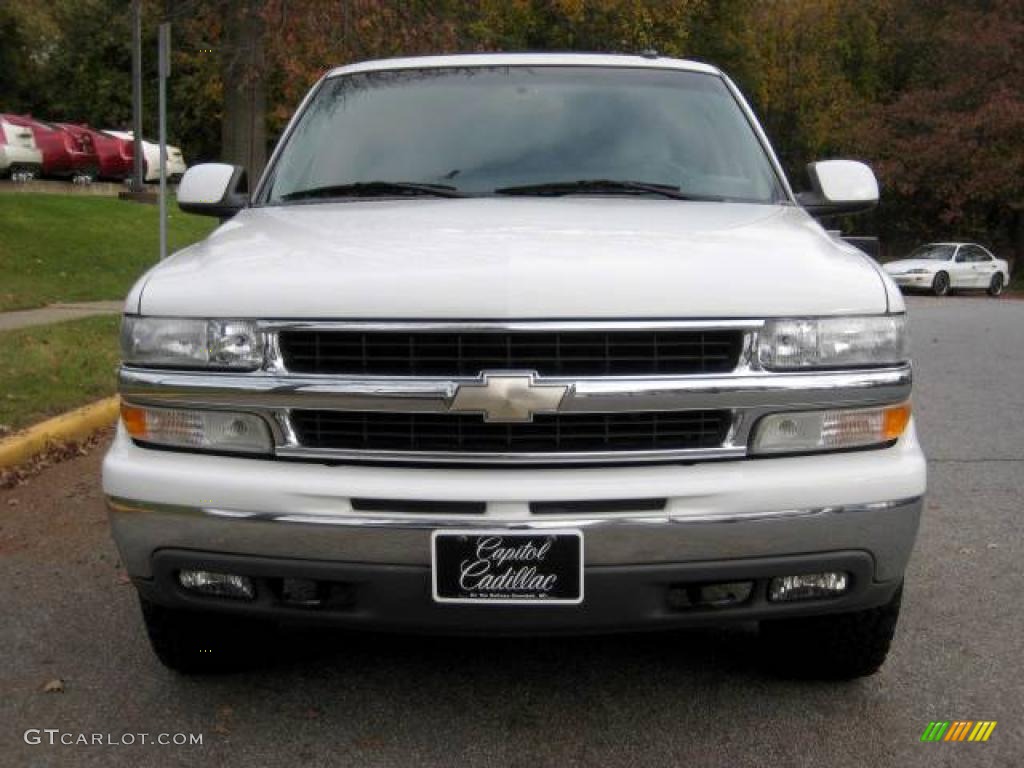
(948,145)
(929,93)
(243,67)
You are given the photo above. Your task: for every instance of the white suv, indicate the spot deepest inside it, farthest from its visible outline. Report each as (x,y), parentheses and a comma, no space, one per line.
(519,344)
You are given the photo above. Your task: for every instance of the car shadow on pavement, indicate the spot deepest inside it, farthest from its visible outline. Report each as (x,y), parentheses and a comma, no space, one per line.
(695,654)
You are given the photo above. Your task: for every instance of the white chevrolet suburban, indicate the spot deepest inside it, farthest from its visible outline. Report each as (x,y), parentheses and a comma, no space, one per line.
(519,344)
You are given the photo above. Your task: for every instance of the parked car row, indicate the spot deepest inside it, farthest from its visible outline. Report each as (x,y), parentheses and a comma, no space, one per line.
(30,147)
(944,267)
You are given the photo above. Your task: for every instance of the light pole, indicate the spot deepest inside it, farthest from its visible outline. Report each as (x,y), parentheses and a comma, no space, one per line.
(164,71)
(137,168)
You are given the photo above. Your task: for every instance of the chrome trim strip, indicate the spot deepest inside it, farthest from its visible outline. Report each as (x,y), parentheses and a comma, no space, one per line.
(261,390)
(479,326)
(424,522)
(451,457)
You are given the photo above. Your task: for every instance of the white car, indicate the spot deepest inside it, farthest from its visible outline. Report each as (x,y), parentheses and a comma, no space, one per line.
(519,343)
(19,157)
(944,267)
(176,166)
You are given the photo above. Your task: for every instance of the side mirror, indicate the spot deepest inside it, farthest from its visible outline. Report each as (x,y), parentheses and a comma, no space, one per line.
(214,189)
(839,186)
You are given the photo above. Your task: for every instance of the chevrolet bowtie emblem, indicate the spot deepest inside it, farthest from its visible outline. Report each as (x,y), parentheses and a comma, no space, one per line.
(508,397)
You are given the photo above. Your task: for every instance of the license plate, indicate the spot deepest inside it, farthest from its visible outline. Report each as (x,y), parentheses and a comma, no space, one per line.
(510,567)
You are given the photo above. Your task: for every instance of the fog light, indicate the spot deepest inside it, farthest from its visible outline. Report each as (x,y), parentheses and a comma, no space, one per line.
(303,592)
(218,584)
(808,586)
(685,596)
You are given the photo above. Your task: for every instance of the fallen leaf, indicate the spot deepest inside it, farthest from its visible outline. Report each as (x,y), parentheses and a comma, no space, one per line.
(223,723)
(54,686)
(55,452)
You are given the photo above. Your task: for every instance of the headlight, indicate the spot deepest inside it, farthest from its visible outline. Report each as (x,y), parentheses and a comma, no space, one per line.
(835,430)
(173,342)
(833,342)
(225,431)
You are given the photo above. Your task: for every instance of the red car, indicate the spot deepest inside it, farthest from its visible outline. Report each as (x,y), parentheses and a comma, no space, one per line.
(65,154)
(113,153)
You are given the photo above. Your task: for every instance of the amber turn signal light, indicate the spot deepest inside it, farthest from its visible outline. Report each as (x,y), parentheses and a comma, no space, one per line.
(134,420)
(896,420)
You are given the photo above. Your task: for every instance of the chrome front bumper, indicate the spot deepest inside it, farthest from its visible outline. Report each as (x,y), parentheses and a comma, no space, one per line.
(630,570)
(885,530)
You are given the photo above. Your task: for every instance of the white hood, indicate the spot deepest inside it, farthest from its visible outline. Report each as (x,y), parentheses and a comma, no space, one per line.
(501,258)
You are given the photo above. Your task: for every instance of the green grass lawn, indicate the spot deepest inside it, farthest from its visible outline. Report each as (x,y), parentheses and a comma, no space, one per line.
(50,369)
(80,248)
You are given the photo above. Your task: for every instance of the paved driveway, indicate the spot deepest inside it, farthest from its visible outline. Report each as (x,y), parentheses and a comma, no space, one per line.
(676,699)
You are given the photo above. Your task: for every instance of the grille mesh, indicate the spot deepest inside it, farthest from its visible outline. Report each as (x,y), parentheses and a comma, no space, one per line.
(548,433)
(556,353)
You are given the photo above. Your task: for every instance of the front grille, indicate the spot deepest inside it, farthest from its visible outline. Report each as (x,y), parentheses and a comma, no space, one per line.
(549,433)
(555,353)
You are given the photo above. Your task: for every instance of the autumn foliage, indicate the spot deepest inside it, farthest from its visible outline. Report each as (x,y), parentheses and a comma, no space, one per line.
(930,93)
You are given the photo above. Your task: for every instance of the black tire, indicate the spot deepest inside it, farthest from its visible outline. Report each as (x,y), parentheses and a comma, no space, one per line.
(194,642)
(940,284)
(841,646)
(995,287)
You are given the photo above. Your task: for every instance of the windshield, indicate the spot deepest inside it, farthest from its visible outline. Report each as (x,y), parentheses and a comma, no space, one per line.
(935,252)
(478,131)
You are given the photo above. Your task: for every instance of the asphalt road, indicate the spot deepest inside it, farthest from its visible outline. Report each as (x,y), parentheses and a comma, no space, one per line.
(673,699)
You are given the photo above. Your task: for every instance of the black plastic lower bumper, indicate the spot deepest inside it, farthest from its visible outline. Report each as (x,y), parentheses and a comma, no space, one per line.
(617,598)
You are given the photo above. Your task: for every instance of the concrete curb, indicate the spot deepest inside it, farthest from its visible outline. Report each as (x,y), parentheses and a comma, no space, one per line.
(73,425)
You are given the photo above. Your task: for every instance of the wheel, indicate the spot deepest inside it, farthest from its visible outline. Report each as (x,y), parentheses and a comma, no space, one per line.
(996,286)
(841,646)
(23,173)
(194,642)
(940,285)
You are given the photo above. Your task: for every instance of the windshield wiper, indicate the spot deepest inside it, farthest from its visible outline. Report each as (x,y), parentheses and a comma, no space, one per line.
(601,186)
(375,189)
